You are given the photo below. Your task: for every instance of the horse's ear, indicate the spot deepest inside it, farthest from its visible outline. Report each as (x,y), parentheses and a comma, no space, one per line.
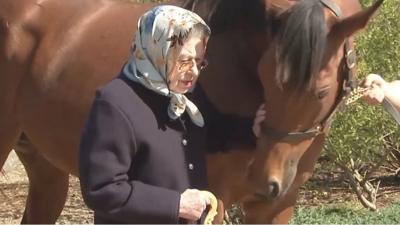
(350,25)
(205,9)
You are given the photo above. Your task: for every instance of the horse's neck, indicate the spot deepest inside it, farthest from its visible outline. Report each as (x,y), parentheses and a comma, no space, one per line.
(231,81)
(23,23)
(17,35)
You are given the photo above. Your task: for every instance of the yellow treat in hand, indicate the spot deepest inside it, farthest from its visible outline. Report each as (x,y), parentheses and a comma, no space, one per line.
(213,207)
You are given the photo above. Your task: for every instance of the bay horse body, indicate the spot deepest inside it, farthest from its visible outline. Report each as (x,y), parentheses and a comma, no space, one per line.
(53,55)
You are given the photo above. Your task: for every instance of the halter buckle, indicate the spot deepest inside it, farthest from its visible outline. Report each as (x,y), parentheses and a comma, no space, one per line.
(351,59)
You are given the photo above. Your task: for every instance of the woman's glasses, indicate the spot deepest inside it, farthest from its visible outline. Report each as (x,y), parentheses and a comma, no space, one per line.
(186,65)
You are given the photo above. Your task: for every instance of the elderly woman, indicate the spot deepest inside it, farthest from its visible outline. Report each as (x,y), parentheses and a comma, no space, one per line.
(142,156)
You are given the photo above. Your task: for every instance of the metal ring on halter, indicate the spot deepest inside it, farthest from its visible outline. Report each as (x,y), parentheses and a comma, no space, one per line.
(351,58)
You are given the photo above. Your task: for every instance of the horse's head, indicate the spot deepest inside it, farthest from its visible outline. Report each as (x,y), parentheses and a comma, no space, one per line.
(305,72)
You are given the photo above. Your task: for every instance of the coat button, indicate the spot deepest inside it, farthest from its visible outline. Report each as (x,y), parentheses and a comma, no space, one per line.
(191,166)
(184,142)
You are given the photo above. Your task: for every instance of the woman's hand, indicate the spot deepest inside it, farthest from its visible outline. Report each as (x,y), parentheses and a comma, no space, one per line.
(378,86)
(260,117)
(192,204)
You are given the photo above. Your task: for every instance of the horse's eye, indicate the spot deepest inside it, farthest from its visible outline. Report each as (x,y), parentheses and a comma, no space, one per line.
(322,94)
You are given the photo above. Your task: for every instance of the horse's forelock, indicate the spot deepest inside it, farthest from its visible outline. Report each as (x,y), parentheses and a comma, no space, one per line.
(301,45)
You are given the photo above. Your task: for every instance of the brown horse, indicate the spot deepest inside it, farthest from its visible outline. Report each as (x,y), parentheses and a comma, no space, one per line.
(53,54)
(305,62)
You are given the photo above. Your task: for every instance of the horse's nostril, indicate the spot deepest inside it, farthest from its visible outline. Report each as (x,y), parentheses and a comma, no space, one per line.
(273,189)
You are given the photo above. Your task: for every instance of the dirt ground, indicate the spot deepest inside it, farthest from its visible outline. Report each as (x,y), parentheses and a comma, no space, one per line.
(13,190)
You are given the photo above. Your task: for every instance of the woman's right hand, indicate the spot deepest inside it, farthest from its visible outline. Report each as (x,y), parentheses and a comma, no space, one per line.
(377,86)
(192,204)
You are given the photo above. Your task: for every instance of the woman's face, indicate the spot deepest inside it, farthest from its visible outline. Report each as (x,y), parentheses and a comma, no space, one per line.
(187,65)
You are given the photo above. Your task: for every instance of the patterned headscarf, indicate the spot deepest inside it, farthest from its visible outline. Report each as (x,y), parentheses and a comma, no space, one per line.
(159,30)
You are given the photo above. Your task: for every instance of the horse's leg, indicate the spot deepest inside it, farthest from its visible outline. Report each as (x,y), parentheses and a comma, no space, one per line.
(48,186)
(7,141)
(9,134)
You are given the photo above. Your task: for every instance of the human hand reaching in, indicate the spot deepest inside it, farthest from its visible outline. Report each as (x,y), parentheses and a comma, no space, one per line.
(260,117)
(377,86)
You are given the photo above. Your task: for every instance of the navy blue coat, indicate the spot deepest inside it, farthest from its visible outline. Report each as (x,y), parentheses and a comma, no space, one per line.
(135,161)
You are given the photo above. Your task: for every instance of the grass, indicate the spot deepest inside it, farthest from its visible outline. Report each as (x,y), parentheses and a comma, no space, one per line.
(346,214)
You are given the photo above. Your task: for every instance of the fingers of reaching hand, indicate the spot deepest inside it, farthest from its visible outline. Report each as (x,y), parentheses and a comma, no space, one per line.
(374,96)
(261,109)
(260,117)
(377,85)
(373,79)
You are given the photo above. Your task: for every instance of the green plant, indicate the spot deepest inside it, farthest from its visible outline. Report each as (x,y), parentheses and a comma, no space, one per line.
(346,213)
(360,136)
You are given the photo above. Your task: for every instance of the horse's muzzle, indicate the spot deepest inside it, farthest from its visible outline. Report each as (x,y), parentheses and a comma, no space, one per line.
(271,191)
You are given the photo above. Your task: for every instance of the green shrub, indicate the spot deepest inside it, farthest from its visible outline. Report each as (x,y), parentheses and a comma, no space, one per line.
(360,132)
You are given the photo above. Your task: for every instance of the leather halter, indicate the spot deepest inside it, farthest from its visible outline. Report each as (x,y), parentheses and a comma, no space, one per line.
(348,86)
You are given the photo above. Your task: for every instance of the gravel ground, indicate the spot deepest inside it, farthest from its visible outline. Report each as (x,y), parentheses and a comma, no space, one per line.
(13,190)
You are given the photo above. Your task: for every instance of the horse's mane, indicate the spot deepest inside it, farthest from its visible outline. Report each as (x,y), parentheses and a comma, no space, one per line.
(301,45)
(223,15)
